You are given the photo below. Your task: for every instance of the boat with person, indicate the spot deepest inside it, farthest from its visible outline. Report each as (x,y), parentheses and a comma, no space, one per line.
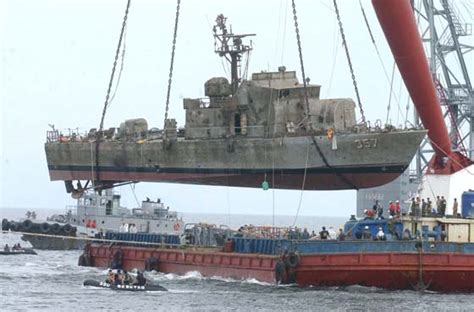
(148,287)
(124,281)
(16,250)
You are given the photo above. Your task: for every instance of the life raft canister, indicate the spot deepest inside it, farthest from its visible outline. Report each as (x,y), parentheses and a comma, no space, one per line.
(330,133)
(176,227)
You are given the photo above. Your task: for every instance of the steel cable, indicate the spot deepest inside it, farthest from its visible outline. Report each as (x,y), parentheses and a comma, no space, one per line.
(173,49)
(107,97)
(308,114)
(346,48)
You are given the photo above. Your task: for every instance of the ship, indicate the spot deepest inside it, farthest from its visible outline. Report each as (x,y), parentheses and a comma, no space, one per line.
(93,217)
(434,253)
(241,134)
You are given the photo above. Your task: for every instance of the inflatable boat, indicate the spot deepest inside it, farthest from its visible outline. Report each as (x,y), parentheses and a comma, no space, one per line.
(147,287)
(26,251)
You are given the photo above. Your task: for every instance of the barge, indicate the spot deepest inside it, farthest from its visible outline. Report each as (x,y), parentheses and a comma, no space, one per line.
(423,263)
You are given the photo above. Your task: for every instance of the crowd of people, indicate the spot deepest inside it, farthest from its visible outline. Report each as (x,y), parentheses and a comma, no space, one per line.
(394,210)
(15,247)
(123,278)
(419,207)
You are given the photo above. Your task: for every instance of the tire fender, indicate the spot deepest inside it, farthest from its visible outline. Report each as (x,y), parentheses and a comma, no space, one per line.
(55,228)
(45,227)
(280,273)
(292,260)
(67,228)
(5,225)
(151,264)
(27,225)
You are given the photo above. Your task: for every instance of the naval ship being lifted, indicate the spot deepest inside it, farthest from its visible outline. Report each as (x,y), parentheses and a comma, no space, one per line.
(271,130)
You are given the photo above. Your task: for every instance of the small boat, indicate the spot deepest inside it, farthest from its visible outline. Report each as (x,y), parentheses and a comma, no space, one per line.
(147,287)
(24,251)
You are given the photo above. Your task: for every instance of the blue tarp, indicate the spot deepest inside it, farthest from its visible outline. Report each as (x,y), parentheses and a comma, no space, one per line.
(278,246)
(144,237)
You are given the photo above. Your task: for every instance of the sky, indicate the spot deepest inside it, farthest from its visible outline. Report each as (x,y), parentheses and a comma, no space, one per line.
(57,55)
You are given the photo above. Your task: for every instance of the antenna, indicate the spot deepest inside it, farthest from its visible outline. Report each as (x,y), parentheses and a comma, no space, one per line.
(230,46)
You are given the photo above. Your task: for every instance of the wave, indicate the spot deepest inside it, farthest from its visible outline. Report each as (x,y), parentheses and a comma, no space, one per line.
(195,275)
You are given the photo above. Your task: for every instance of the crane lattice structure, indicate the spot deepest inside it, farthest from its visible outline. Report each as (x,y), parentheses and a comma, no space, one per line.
(446,36)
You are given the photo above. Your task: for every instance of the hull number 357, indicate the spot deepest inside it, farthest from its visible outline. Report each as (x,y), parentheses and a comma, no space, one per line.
(366,143)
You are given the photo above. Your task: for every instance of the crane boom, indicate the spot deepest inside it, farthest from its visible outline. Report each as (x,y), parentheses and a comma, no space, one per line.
(399,26)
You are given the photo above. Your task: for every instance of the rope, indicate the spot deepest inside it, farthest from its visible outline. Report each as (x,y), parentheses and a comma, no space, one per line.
(132,187)
(305,93)
(121,67)
(106,103)
(173,49)
(333,68)
(302,186)
(390,81)
(271,146)
(346,48)
(284,35)
(390,97)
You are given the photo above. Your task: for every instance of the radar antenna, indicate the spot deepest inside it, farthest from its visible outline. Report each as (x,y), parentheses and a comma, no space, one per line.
(230,46)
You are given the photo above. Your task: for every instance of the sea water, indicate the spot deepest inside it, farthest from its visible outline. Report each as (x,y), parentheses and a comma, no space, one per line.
(52,281)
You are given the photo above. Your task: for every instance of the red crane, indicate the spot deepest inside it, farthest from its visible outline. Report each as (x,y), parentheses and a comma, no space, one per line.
(399,26)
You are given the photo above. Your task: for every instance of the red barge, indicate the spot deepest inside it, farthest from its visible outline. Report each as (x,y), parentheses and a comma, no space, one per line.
(441,259)
(444,267)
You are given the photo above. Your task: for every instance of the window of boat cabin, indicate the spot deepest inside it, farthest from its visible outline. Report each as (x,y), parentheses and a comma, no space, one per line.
(108,208)
(237,126)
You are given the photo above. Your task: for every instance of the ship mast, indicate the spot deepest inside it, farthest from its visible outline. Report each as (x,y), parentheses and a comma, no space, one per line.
(230,46)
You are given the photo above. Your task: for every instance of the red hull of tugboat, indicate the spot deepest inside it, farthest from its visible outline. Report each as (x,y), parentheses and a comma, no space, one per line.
(444,272)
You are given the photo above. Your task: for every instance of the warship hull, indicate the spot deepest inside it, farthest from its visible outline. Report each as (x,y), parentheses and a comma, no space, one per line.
(355,160)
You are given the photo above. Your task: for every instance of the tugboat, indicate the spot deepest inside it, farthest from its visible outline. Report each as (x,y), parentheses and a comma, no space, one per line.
(94,216)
